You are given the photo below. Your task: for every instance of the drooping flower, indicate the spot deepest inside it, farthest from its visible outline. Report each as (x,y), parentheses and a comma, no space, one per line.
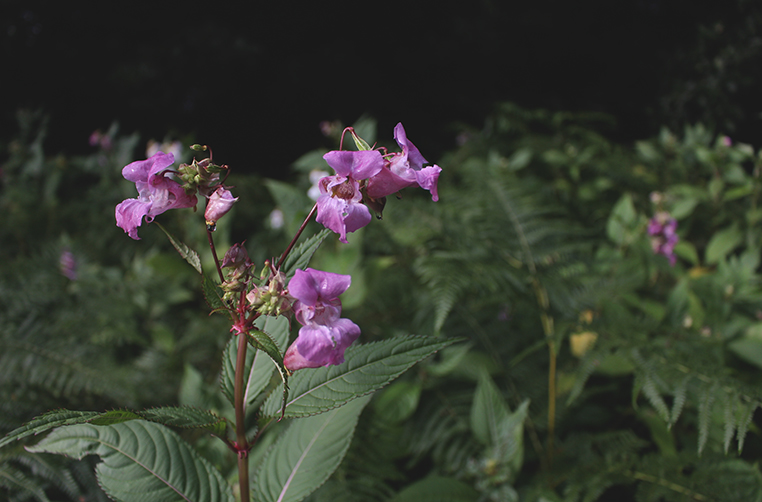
(339,206)
(404,169)
(218,205)
(157,193)
(324,335)
(663,231)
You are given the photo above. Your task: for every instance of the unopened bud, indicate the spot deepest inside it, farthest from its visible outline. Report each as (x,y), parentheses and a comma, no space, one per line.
(218,205)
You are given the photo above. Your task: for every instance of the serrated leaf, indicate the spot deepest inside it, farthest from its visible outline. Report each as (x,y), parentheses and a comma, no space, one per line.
(187,253)
(114,417)
(438,489)
(730,420)
(259,366)
(746,413)
(301,255)
(17,481)
(47,421)
(678,400)
(212,297)
(367,368)
(307,454)
(141,462)
(186,417)
(654,397)
(704,418)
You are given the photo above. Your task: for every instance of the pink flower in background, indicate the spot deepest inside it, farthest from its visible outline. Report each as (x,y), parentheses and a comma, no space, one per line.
(68,264)
(324,336)
(404,169)
(663,231)
(157,193)
(339,206)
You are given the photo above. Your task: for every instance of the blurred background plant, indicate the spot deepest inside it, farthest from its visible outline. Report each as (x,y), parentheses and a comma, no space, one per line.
(593,369)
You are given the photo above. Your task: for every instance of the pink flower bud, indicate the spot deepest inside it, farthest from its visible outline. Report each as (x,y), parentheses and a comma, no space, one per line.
(218,205)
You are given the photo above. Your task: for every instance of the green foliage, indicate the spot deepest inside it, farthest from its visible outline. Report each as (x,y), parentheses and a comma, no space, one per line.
(593,369)
(140,454)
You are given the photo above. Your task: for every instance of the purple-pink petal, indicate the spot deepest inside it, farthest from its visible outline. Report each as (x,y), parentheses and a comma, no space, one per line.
(408,148)
(356,165)
(341,216)
(310,286)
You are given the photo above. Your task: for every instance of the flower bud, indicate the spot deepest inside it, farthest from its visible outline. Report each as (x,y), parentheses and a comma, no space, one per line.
(218,205)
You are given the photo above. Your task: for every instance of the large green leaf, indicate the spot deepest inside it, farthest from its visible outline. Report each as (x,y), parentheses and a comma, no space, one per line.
(259,366)
(50,420)
(367,368)
(307,454)
(141,461)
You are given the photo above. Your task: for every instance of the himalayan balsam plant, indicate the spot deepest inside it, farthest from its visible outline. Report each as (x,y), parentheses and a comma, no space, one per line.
(318,385)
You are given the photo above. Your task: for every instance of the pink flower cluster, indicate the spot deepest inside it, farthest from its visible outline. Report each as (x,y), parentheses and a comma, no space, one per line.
(370,175)
(663,231)
(324,336)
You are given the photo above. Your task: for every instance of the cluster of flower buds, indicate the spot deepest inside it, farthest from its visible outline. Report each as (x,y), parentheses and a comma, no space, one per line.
(663,231)
(239,275)
(271,299)
(365,177)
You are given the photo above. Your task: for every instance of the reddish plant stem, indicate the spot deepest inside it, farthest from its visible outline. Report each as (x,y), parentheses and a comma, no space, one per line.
(214,254)
(240,410)
(296,237)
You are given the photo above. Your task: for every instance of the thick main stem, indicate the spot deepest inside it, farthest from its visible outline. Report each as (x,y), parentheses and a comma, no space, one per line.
(240,420)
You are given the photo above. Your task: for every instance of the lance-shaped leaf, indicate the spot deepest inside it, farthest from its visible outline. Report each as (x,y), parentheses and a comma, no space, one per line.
(186,417)
(47,421)
(187,253)
(259,365)
(366,368)
(301,255)
(141,461)
(212,296)
(307,454)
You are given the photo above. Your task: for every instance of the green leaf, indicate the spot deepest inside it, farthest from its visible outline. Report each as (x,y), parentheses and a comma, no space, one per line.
(301,255)
(186,417)
(114,417)
(488,409)
(622,219)
(259,366)
(494,425)
(187,253)
(367,368)
(212,296)
(722,243)
(306,454)
(17,481)
(437,489)
(141,461)
(47,421)
(397,402)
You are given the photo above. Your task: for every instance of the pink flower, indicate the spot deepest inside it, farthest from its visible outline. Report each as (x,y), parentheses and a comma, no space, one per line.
(324,336)
(218,205)
(404,169)
(157,193)
(339,206)
(663,231)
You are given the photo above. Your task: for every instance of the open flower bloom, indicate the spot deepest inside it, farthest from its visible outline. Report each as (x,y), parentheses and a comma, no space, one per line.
(339,206)
(157,193)
(404,169)
(324,336)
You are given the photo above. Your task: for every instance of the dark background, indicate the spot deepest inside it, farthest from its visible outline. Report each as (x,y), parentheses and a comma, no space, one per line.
(254,79)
